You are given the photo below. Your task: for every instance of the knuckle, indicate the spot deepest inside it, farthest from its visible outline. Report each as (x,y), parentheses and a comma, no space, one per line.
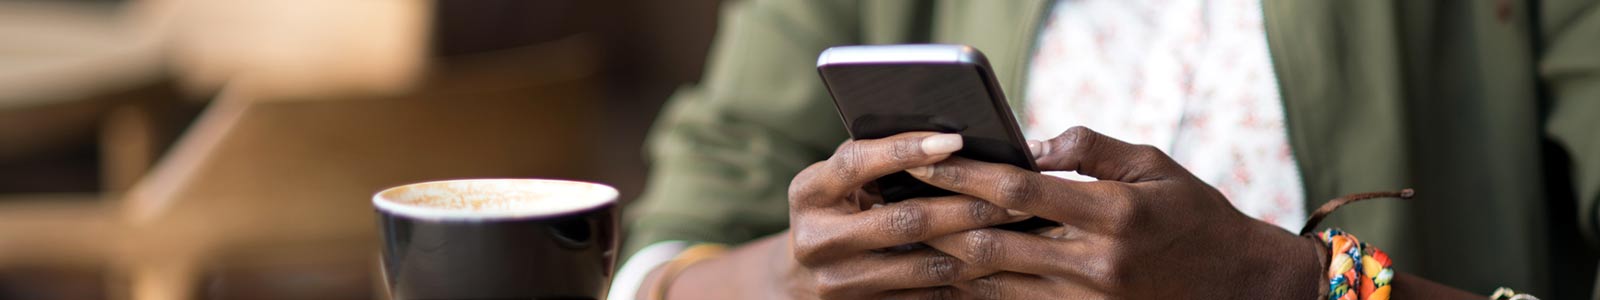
(802,187)
(828,289)
(1115,279)
(1017,191)
(1078,132)
(906,150)
(981,247)
(1147,153)
(1151,157)
(1077,138)
(833,284)
(806,255)
(1107,272)
(847,162)
(1124,210)
(809,248)
(951,176)
(1146,150)
(941,268)
(908,220)
(982,212)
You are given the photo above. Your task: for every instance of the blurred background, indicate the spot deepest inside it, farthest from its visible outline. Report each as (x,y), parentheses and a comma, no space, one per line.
(227,149)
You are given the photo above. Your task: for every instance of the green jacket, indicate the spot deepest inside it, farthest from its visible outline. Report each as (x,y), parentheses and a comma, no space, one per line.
(1489,108)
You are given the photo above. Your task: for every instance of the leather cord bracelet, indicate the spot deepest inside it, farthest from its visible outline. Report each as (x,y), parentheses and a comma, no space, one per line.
(1332,205)
(1356,271)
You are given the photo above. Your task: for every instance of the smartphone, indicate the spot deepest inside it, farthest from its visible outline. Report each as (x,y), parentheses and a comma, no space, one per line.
(883,90)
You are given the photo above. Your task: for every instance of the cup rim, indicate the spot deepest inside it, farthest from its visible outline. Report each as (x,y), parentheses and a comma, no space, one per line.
(602,195)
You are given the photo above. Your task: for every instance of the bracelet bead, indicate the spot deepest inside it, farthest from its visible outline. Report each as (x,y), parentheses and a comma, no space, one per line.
(1356,271)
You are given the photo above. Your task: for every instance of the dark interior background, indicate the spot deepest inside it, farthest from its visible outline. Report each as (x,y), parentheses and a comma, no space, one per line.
(645,50)
(650,48)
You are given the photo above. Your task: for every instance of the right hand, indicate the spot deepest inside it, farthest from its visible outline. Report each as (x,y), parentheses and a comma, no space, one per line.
(838,239)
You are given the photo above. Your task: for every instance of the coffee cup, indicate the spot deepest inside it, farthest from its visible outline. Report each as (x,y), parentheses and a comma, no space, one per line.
(498,239)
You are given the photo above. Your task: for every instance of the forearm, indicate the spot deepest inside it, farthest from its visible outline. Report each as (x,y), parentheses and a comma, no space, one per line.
(1407,286)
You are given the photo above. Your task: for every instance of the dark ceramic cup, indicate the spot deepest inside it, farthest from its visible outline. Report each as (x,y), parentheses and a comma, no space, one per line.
(498,239)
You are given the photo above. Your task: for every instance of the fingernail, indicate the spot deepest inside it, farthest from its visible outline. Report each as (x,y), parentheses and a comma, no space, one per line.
(1036,148)
(941,143)
(1015,213)
(918,171)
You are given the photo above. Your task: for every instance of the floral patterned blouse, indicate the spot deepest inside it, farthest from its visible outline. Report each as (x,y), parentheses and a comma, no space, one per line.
(1193,78)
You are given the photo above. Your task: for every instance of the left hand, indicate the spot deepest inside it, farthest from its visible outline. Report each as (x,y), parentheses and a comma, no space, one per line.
(1148,229)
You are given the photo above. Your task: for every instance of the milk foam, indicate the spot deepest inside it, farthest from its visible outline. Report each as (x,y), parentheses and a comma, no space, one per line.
(493,198)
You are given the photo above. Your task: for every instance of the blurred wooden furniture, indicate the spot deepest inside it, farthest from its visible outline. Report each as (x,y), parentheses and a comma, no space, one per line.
(295,48)
(267,196)
(55,247)
(66,65)
(258,172)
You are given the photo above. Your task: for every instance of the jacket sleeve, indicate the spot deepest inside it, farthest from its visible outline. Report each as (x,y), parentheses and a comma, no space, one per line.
(1570,68)
(723,152)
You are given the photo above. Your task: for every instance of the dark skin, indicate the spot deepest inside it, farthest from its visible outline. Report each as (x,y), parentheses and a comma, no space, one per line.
(1147,229)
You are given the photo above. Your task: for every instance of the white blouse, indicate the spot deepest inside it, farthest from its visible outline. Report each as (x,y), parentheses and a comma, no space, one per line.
(1193,78)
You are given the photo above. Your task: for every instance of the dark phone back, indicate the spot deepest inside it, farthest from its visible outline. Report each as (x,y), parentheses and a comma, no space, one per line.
(886,90)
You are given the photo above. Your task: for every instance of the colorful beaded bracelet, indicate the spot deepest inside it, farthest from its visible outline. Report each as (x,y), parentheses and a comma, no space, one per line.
(1356,271)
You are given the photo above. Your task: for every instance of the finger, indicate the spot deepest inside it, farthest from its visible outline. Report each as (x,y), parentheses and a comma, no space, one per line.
(867,196)
(871,274)
(1021,252)
(857,162)
(1093,154)
(1036,148)
(1086,204)
(1010,285)
(933,293)
(920,219)
(824,237)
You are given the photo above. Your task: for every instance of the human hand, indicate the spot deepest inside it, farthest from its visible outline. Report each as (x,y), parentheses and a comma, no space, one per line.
(1148,229)
(839,243)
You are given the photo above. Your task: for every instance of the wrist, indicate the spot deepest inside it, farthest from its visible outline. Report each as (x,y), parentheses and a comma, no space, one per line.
(1320,278)
(1292,267)
(704,280)
(741,273)
(647,290)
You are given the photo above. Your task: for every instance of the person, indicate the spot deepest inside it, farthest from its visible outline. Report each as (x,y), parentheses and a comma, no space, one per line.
(1215,126)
